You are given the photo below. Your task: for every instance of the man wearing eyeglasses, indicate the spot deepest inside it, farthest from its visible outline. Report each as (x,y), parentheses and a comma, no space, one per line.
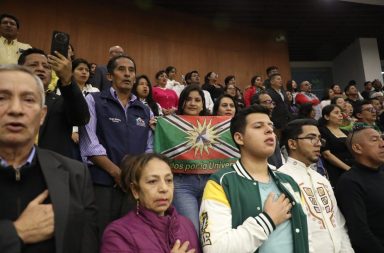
(360,191)
(326,224)
(366,113)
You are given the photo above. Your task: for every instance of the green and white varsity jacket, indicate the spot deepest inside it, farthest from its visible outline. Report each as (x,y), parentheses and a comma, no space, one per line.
(232,217)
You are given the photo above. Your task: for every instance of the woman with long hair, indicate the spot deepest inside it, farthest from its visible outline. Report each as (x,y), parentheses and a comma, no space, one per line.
(142,89)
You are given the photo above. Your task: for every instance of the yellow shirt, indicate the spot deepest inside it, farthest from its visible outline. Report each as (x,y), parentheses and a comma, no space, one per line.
(10,52)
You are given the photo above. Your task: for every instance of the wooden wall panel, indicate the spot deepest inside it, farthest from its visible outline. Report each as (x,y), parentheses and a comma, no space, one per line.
(155,38)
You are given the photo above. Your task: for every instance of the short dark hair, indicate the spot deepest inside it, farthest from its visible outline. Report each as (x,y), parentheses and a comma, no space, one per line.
(217,103)
(27,52)
(305,110)
(5,15)
(273,76)
(358,107)
(132,168)
(159,73)
(256,97)
(112,62)
(348,86)
(335,98)
(169,69)
(270,68)
(228,78)
(184,95)
(78,61)
(206,78)
(293,129)
(238,122)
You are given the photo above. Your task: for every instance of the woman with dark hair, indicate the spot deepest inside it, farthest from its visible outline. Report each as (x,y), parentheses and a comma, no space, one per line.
(235,93)
(189,187)
(306,111)
(167,98)
(171,82)
(336,89)
(328,95)
(291,86)
(155,225)
(256,86)
(80,73)
(225,105)
(192,102)
(142,89)
(337,159)
(212,86)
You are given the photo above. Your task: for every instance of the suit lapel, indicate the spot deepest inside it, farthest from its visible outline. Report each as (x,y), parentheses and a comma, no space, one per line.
(57,181)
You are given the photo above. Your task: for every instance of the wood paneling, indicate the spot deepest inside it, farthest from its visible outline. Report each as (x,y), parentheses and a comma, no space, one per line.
(154,37)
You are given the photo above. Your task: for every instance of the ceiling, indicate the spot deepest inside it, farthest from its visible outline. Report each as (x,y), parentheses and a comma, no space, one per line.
(315,30)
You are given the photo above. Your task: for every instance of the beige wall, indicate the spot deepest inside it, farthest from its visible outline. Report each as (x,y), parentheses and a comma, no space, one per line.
(155,38)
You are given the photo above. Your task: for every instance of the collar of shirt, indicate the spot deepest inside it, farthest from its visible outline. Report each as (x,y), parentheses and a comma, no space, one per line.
(114,95)
(27,162)
(5,41)
(298,163)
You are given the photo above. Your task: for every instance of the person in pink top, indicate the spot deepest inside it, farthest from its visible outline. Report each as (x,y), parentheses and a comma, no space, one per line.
(167,98)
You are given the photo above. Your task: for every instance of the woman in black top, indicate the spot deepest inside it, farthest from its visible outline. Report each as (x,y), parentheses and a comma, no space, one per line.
(336,156)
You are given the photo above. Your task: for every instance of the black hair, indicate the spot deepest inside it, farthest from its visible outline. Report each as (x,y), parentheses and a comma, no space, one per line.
(149,99)
(169,69)
(228,78)
(112,62)
(159,73)
(273,76)
(78,61)
(270,68)
(5,15)
(358,107)
(348,86)
(253,79)
(206,78)
(290,87)
(335,98)
(293,129)
(187,78)
(305,110)
(184,95)
(326,112)
(367,82)
(217,103)
(256,97)
(238,122)
(27,52)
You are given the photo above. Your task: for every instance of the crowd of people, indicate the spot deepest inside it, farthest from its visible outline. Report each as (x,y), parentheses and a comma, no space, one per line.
(309,177)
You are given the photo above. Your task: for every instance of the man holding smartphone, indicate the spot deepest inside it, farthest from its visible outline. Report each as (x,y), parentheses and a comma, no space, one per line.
(64,111)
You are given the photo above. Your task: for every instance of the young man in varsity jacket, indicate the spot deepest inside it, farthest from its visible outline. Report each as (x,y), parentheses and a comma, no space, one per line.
(248,207)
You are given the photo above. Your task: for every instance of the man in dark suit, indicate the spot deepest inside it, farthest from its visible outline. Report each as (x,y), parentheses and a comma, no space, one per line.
(64,111)
(47,202)
(280,115)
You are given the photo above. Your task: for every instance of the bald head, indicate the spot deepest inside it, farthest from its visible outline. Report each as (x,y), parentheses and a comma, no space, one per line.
(115,51)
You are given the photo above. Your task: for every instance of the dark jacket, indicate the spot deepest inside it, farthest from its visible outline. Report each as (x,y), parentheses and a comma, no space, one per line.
(71,194)
(65,111)
(280,114)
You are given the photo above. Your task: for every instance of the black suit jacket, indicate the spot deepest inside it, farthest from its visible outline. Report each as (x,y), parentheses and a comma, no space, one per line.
(64,111)
(71,193)
(280,114)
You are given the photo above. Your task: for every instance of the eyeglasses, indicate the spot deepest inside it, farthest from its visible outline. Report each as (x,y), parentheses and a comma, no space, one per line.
(313,139)
(269,101)
(370,109)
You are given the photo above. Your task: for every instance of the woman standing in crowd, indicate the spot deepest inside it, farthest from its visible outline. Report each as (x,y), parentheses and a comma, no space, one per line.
(167,98)
(225,105)
(256,86)
(291,86)
(142,89)
(189,187)
(327,98)
(80,72)
(336,89)
(292,107)
(171,82)
(337,158)
(155,225)
(232,91)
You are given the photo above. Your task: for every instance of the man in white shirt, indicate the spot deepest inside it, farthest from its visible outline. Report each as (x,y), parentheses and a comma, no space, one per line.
(326,224)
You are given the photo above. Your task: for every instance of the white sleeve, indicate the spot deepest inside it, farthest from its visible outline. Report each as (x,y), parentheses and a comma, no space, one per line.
(217,234)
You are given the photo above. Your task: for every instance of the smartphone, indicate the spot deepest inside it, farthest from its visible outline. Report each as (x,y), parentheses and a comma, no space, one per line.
(60,43)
